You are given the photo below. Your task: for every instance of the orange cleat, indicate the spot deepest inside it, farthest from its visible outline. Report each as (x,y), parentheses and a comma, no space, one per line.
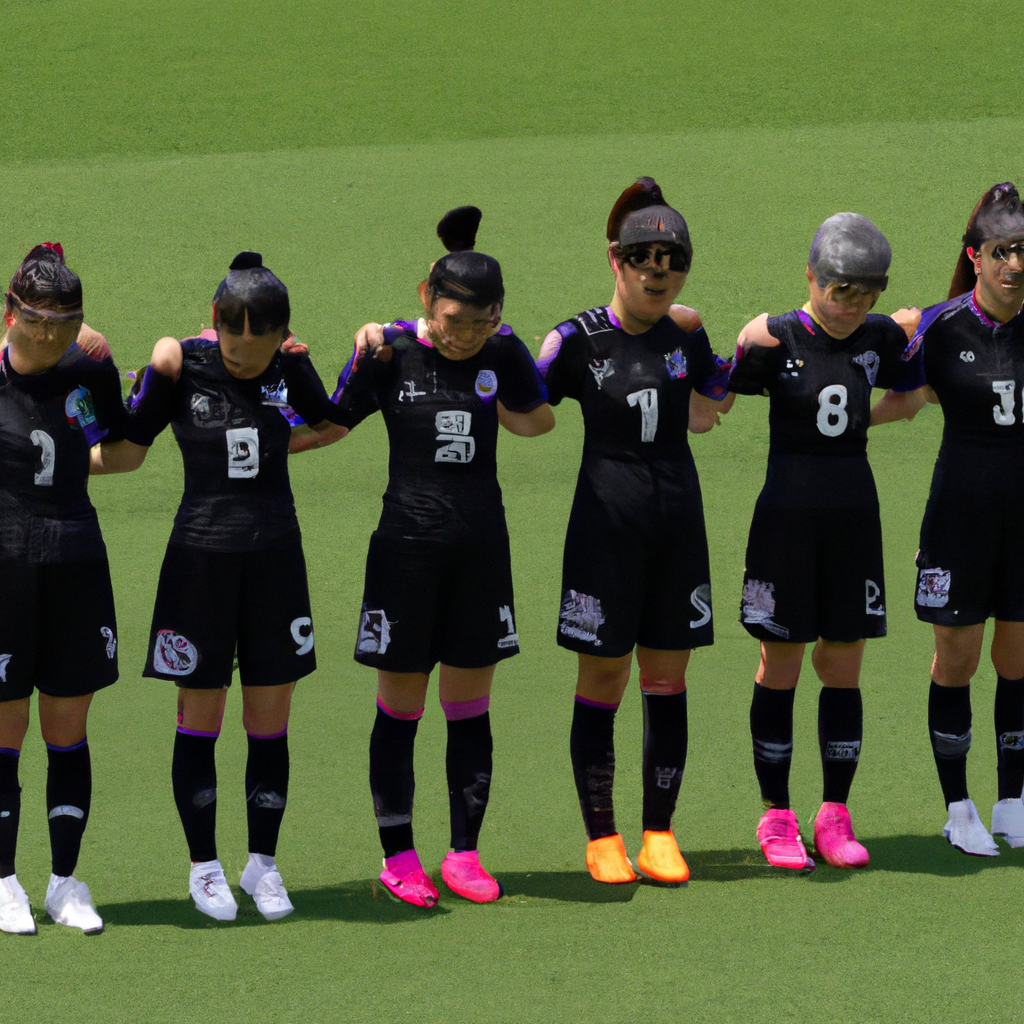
(607,860)
(661,861)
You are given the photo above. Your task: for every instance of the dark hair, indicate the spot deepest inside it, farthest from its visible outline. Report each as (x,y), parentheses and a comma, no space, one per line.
(470,277)
(643,192)
(251,288)
(45,284)
(457,228)
(998,214)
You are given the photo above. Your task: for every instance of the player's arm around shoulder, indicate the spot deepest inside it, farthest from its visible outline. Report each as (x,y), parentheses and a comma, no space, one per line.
(533,415)
(904,403)
(705,412)
(527,424)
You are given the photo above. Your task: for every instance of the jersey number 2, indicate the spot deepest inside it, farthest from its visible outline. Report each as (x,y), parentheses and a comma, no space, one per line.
(648,402)
(832,417)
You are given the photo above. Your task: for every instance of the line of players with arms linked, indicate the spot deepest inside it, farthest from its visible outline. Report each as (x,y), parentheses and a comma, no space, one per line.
(438,587)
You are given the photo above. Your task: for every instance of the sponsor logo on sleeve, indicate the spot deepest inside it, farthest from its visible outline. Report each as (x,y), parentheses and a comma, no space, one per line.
(933,588)
(486,386)
(174,654)
(759,606)
(580,617)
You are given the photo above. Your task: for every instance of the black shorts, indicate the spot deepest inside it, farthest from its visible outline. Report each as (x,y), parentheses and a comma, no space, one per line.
(814,573)
(428,601)
(971,562)
(623,584)
(57,629)
(211,603)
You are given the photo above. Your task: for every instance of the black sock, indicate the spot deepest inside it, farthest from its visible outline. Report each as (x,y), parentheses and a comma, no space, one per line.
(949,724)
(771,729)
(194,779)
(665,738)
(266,791)
(592,748)
(1009,719)
(10,809)
(840,731)
(68,795)
(392,780)
(468,763)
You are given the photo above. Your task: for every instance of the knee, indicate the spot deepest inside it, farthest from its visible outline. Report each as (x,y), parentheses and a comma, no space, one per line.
(662,687)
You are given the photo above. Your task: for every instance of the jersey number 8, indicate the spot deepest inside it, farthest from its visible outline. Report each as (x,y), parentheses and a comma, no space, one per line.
(832,417)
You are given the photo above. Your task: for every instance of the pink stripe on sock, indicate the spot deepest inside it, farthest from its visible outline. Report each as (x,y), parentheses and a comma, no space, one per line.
(596,704)
(456,710)
(197,732)
(272,736)
(403,716)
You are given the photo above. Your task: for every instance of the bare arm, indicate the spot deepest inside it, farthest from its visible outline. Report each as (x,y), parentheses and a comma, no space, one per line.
(909,317)
(527,424)
(757,333)
(706,413)
(305,438)
(117,457)
(168,358)
(901,405)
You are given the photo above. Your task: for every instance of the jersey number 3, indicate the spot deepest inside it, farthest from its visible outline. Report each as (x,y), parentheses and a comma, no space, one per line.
(832,417)
(1003,412)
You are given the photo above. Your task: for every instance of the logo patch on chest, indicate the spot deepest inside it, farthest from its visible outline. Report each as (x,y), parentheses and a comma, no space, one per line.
(79,410)
(486,386)
(675,363)
(275,394)
(601,368)
(870,361)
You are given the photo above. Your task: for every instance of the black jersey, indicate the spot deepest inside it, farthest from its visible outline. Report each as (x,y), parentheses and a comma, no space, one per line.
(442,421)
(234,444)
(48,423)
(976,367)
(820,391)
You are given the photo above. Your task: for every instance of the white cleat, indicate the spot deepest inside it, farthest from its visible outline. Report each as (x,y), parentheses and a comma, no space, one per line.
(69,902)
(15,913)
(210,890)
(965,831)
(1008,821)
(262,881)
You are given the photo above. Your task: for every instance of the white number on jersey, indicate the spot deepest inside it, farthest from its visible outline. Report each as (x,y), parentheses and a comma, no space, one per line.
(42,440)
(832,417)
(1003,413)
(453,427)
(243,453)
(648,402)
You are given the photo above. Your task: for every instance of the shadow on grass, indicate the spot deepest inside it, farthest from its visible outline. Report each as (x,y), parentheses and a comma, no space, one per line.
(561,887)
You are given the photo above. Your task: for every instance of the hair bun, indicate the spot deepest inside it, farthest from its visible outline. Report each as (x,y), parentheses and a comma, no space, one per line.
(55,247)
(246,261)
(642,193)
(457,228)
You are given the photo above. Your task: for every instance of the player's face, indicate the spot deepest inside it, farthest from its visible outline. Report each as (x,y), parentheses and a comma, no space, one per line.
(647,291)
(458,330)
(37,342)
(999,265)
(247,355)
(841,308)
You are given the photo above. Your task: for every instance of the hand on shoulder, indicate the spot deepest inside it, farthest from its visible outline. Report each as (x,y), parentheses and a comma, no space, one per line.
(167,358)
(756,333)
(908,318)
(685,317)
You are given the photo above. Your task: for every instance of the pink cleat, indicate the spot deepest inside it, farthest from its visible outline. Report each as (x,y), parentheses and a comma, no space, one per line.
(464,875)
(779,836)
(834,838)
(403,876)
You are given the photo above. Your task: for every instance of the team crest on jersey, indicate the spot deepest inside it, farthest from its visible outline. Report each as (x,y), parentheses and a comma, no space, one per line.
(580,617)
(675,363)
(486,386)
(275,394)
(601,368)
(759,607)
(933,588)
(79,409)
(111,646)
(374,632)
(870,361)
(174,654)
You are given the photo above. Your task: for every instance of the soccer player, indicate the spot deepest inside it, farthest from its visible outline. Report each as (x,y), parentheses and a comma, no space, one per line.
(234,576)
(60,393)
(814,557)
(635,570)
(438,572)
(971,561)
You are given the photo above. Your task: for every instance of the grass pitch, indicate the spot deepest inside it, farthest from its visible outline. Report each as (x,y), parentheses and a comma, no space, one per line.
(156,140)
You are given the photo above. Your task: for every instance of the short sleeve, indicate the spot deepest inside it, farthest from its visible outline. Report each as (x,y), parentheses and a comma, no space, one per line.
(111,416)
(306,392)
(562,363)
(903,368)
(355,397)
(710,373)
(150,405)
(520,387)
(753,369)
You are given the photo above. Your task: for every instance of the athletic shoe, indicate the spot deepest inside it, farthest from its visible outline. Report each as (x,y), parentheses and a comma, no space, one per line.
(211,892)
(69,902)
(779,836)
(834,838)
(661,861)
(465,876)
(262,881)
(607,860)
(403,876)
(1008,821)
(965,831)
(15,913)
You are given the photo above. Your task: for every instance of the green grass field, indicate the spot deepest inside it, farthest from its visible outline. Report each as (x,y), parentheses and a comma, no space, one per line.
(156,140)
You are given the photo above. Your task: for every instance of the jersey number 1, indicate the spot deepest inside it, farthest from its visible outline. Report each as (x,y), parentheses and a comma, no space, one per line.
(832,417)
(648,402)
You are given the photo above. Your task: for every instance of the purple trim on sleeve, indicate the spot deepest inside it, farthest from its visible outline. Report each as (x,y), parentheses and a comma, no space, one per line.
(615,323)
(807,320)
(716,387)
(596,703)
(546,358)
(505,329)
(94,433)
(979,313)
(343,377)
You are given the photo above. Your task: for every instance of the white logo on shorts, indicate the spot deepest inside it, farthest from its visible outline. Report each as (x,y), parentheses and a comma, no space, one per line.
(4,659)
(512,640)
(581,617)
(933,588)
(173,654)
(374,632)
(302,633)
(759,607)
(243,452)
(701,600)
(108,634)
(873,594)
